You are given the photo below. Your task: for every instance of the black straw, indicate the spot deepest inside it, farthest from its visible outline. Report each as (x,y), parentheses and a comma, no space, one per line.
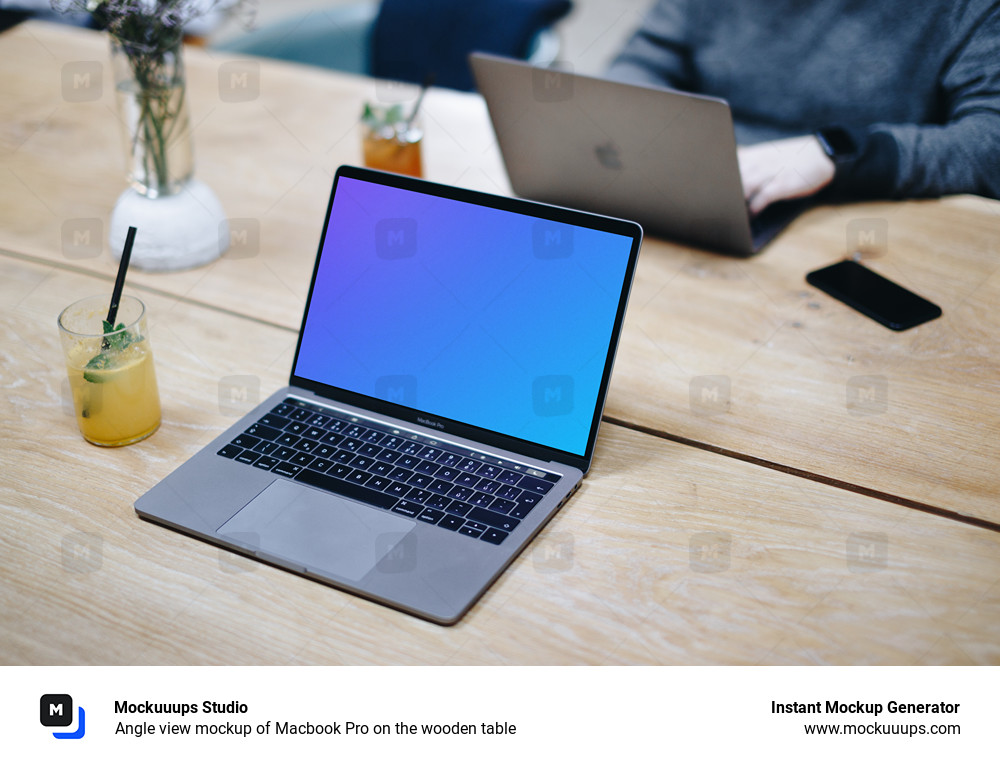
(116,294)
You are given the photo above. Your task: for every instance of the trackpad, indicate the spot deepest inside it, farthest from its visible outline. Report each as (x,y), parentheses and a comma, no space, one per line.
(324,533)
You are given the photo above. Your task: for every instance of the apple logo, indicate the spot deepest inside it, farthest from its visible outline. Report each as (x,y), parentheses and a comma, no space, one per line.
(607,155)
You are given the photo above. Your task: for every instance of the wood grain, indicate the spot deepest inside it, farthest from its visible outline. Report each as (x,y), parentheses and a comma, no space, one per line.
(668,554)
(813,387)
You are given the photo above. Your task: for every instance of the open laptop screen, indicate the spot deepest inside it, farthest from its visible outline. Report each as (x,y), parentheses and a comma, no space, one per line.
(463,311)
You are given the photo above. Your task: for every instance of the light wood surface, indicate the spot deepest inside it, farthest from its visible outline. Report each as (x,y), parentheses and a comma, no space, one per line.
(813,386)
(668,554)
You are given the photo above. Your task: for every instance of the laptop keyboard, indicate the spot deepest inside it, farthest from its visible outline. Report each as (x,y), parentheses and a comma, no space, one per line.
(468,492)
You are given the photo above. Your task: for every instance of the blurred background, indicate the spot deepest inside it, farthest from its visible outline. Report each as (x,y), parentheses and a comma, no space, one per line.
(589,36)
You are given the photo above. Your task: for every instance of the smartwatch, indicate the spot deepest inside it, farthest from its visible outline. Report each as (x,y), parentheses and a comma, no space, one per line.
(837,144)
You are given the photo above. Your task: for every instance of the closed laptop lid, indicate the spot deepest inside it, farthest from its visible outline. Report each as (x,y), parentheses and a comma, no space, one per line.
(481,316)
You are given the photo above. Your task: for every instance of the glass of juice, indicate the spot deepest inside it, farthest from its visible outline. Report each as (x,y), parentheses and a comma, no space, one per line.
(110,370)
(391,142)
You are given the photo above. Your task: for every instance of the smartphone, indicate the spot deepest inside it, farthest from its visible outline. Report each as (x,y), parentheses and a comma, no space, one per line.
(874,295)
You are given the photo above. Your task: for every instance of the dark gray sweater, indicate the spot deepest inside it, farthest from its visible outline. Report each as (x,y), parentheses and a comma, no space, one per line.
(916,82)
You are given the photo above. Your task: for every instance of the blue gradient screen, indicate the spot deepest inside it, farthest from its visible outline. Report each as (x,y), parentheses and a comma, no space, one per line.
(483,316)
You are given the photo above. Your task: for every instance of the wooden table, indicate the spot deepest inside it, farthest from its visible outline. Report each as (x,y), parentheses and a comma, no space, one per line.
(702,535)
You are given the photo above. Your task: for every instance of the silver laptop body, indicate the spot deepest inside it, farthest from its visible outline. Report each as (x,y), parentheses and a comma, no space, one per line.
(501,316)
(663,158)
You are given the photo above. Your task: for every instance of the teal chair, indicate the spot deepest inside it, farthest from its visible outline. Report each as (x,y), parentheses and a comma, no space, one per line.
(340,37)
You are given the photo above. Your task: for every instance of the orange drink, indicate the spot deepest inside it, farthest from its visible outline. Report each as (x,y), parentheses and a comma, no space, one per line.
(111,373)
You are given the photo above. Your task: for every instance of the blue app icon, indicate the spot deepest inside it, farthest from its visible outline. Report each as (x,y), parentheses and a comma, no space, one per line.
(57,710)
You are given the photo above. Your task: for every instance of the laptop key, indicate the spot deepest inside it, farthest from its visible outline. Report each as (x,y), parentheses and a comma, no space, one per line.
(287,469)
(345,488)
(359,477)
(284,453)
(481,499)
(439,486)
(418,495)
(488,486)
(281,410)
(262,431)
(247,442)
(230,451)
(382,469)
(248,456)
(397,488)
(340,470)
(489,471)
(451,522)
(509,493)
(369,450)
(427,467)
(408,508)
(467,479)
(459,508)
(421,480)
(438,502)
(266,462)
(525,503)
(320,464)
(430,515)
(509,477)
(400,474)
(381,483)
(532,484)
(450,459)
(460,493)
(501,505)
(389,455)
(498,520)
(470,531)
(494,536)
(332,439)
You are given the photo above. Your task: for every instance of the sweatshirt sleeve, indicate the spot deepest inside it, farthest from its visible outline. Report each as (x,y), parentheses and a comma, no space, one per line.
(960,155)
(658,53)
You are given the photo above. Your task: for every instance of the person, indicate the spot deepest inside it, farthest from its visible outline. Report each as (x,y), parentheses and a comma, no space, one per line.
(851,99)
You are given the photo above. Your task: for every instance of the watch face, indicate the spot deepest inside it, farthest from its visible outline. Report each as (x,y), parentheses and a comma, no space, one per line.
(838,142)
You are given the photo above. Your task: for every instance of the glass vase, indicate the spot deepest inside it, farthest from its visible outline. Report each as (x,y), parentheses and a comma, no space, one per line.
(152,103)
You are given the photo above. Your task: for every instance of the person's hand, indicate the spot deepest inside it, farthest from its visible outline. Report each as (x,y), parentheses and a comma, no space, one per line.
(783,169)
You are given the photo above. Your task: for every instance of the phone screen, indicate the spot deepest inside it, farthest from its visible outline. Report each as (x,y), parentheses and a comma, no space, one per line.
(873,295)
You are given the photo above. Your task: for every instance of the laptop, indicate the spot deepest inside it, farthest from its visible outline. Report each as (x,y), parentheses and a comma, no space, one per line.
(444,400)
(663,158)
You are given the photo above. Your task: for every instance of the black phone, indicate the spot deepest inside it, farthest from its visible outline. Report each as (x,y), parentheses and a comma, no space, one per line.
(874,295)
